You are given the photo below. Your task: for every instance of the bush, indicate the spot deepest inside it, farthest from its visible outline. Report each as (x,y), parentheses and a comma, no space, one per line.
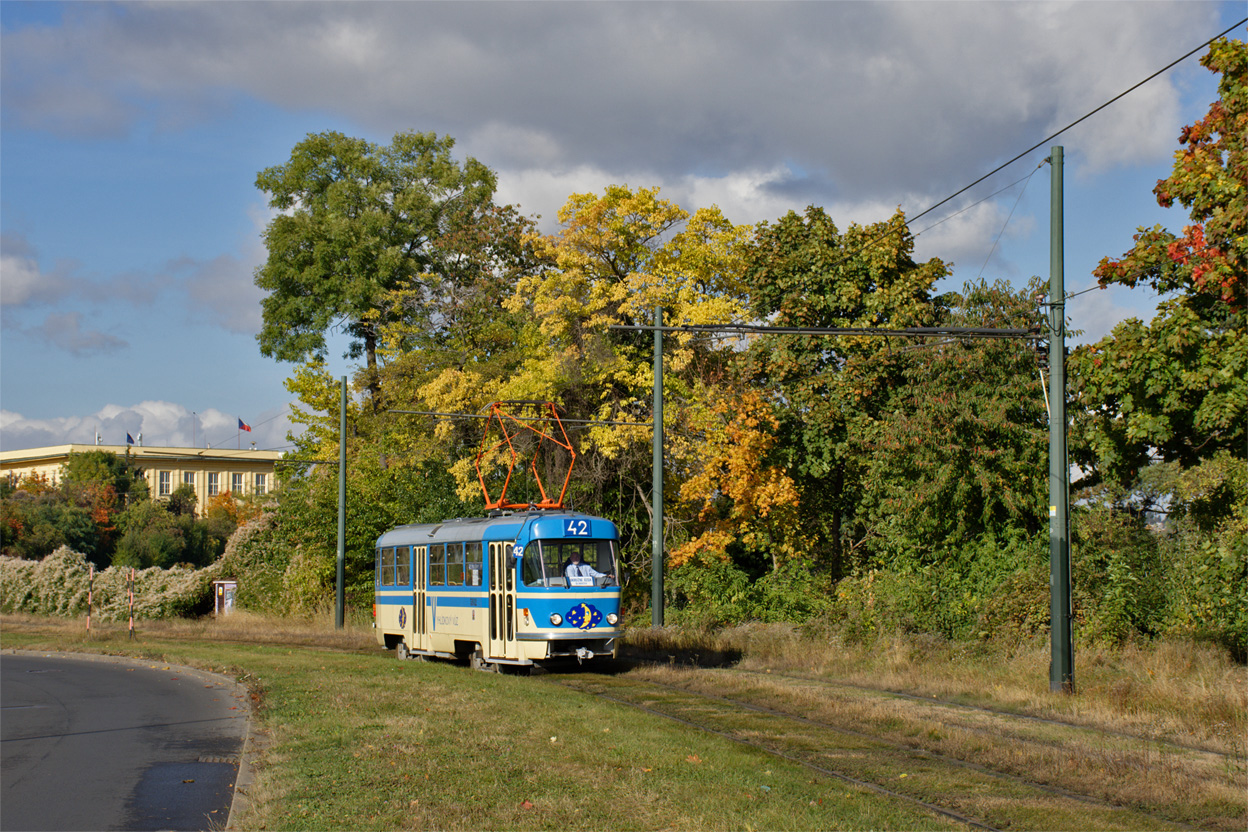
(1119,581)
(1208,596)
(990,583)
(1020,607)
(58,585)
(707,593)
(256,558)
(793,593)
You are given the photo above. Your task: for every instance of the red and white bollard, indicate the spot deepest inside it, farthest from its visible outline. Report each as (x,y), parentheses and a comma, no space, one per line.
(131,588)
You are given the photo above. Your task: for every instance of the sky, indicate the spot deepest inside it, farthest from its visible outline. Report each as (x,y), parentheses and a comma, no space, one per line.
(131,136)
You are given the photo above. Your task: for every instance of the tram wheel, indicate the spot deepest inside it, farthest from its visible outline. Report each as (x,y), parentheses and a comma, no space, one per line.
(479,663)
(400,651)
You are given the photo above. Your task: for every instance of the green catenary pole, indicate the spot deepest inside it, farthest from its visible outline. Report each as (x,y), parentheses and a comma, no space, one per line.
(1062,664)
(656,581)
(340,595)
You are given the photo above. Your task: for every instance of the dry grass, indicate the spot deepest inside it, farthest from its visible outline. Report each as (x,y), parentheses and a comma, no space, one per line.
(1182,784)
(240,627)
(1180,691)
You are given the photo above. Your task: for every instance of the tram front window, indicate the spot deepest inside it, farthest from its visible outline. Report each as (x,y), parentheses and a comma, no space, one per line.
(550,563)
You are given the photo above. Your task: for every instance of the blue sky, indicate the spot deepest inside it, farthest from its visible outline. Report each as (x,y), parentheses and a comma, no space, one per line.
(131,135)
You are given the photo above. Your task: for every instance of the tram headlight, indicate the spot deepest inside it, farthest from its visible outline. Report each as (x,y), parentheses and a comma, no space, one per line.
(556,619)
(613,619)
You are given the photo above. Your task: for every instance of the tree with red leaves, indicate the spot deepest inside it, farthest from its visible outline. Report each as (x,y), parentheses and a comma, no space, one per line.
(1175,390)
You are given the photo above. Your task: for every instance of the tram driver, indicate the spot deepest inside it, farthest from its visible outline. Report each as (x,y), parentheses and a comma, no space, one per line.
(576,568)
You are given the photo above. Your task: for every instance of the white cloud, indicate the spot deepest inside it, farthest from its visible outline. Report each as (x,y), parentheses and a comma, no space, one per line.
(22,282)
(161,423)
(867,96)
(1094,314)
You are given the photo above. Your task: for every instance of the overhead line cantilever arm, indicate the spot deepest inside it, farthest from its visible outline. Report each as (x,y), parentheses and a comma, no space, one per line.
(521,418)
(911,332)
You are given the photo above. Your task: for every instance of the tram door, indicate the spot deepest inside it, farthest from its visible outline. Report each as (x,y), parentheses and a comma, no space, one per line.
(420,627)
(502,601)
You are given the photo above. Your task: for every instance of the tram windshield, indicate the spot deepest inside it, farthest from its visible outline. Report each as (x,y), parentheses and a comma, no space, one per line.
(576,563)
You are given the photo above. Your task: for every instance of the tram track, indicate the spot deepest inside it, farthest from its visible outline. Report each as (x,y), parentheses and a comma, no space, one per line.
(899,761)
(1157,741)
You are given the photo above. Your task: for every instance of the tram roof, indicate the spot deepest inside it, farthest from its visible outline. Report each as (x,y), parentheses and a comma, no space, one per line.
(504,526)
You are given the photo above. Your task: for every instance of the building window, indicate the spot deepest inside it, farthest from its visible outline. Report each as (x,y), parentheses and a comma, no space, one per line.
(166,484)
(236,484)
(188,478)
(261,483)
(214,484)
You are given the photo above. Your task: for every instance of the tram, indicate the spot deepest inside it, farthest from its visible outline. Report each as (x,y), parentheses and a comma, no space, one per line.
(528,584)
(495,591)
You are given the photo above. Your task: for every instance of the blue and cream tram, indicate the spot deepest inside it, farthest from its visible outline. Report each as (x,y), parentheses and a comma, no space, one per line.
(496,590)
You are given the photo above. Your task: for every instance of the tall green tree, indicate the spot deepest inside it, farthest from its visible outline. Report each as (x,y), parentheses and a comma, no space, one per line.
(804,272)
(357,221)
(960,448)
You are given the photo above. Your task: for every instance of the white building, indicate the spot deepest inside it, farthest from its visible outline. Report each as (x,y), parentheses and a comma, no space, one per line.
(209,471)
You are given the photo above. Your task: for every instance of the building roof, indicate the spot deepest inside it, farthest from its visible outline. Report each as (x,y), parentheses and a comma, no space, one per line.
(35,455)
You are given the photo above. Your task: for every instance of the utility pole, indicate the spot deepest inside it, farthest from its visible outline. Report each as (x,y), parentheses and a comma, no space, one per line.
(340,595)
(1062,664)
(656,497)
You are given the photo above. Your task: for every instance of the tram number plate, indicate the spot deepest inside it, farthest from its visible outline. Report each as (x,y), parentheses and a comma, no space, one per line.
(576,528)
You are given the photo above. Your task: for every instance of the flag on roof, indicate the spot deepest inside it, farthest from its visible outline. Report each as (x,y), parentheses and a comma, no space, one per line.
(129,439)
(244,426)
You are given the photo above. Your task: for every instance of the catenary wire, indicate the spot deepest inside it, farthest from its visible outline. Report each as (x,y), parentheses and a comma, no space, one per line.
(1006,224)
(1048,139)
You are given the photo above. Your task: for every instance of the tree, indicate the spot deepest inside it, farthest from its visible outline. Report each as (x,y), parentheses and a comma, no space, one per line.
(1175,390)
(150,536)
(959,448)
(803,272)
(182,501)
(741,500)
(617,256)
(357,222)
(1160,409)
(36,519)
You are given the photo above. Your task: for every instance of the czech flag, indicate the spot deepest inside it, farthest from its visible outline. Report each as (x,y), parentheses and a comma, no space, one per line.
(244,426)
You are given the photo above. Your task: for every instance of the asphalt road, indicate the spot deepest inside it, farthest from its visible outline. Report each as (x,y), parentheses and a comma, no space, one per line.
(100,743)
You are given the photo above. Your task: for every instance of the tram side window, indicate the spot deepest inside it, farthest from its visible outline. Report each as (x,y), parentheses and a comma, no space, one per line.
(403,566)
(472,564)
(387,566)
(377,570)
(454,564)
(437,565)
